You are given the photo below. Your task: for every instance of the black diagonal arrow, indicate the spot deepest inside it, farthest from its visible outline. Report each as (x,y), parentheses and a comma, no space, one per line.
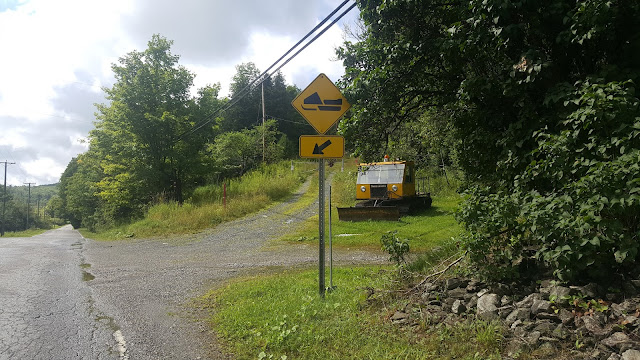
(317,150)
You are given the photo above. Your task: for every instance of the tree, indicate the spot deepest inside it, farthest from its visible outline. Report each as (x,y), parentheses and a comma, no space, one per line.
(236,152)
(541,99)
(141,132)
(247,111)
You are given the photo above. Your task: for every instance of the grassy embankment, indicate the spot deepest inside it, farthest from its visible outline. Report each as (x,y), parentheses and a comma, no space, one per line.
(250,193)
(26,233)
(280,315)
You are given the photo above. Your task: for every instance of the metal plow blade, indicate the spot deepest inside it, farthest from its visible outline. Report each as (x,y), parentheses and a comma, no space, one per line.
(390,213)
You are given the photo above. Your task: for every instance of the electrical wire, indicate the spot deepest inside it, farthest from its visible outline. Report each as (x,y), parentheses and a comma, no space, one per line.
(265,75)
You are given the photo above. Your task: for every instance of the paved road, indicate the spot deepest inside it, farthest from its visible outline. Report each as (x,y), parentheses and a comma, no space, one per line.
(69,297)
(46,308)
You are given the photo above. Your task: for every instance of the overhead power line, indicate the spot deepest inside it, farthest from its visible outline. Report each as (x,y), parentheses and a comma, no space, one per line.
(265,75)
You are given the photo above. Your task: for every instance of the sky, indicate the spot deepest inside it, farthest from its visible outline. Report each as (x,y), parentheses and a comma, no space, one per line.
(55,57)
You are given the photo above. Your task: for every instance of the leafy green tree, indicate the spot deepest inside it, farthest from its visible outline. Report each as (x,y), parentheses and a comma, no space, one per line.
(247,111)
(78,191)
(144,132)
(236,152)
(541,99)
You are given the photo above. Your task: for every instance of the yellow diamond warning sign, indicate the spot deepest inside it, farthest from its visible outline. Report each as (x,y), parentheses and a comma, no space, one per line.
(321,103)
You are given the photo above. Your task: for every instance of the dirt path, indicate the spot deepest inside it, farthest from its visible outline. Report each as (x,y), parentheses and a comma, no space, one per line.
(143,286)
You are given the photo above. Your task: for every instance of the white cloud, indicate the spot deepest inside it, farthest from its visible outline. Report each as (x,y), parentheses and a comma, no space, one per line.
(58,54)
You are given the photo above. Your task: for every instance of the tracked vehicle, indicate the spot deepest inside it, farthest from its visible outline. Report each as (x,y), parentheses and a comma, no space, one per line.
(385,191)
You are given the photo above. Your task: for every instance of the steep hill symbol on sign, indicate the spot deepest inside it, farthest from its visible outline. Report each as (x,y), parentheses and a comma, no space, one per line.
(326,105)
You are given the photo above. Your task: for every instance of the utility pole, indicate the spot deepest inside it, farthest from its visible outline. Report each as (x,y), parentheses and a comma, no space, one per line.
(263,128)
(29,203)
(4,197)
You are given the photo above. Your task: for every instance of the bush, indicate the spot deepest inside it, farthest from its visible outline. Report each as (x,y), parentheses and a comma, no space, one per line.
(574,210)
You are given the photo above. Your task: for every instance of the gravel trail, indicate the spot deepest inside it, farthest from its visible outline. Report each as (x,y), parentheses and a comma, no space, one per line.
(144,286)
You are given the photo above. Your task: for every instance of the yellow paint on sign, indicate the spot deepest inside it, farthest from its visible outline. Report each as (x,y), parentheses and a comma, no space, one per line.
(321,146)
(321,104)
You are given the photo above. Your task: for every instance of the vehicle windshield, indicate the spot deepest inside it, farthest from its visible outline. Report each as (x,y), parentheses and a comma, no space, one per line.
(381,174)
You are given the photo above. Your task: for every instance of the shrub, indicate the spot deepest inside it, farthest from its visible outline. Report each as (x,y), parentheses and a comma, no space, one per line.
(574,209)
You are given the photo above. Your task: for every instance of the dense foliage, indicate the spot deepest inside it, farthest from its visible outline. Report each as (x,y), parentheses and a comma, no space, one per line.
(39,207)
(541,102)
(154,141)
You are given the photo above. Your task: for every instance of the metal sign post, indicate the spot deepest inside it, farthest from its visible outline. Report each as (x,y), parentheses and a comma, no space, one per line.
(321,104)
(321,286)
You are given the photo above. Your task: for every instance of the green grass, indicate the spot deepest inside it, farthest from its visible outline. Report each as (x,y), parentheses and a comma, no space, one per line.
(282,316)
(26,233)
(250,193)
(425,230)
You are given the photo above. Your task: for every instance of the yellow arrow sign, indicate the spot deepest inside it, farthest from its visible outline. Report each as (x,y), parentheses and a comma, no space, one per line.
(321,146)
(321,104)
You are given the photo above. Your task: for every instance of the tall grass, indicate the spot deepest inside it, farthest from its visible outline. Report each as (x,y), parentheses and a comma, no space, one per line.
(252,192)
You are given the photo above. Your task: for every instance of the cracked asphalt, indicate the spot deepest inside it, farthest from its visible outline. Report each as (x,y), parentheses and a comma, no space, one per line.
(46,309)
(66,297)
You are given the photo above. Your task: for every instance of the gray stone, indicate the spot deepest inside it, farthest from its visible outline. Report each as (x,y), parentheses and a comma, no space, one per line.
(549,316)
(458,307)
(623,308)
(528,301)
(502,289)
(454,283)
(545,287)
(565,316)
(458,293)
(472,287)
(448,302)
(631,354)
(400,317)
(560,294)
(518,314)
(600,317)
(429,286)
(617,340)
(487,307)
(473,302)
(595,328)
(545,327)
(482,292)
(533,337)
(505,300)
(630,320)
(516,324)
(560,332)
(539,306)
(614,356)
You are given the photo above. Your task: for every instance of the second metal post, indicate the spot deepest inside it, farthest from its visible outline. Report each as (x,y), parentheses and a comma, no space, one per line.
(321,285)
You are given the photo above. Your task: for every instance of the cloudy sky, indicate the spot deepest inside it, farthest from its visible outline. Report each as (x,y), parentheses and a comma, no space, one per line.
(56,56)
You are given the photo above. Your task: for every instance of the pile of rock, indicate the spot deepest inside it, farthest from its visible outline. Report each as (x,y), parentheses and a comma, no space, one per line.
(544,319)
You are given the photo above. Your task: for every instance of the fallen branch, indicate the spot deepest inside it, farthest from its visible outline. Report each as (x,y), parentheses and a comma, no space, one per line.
(439,272)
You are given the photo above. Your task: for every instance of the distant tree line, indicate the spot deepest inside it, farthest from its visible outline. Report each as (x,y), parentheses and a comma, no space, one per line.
(152,141)
(40,210)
